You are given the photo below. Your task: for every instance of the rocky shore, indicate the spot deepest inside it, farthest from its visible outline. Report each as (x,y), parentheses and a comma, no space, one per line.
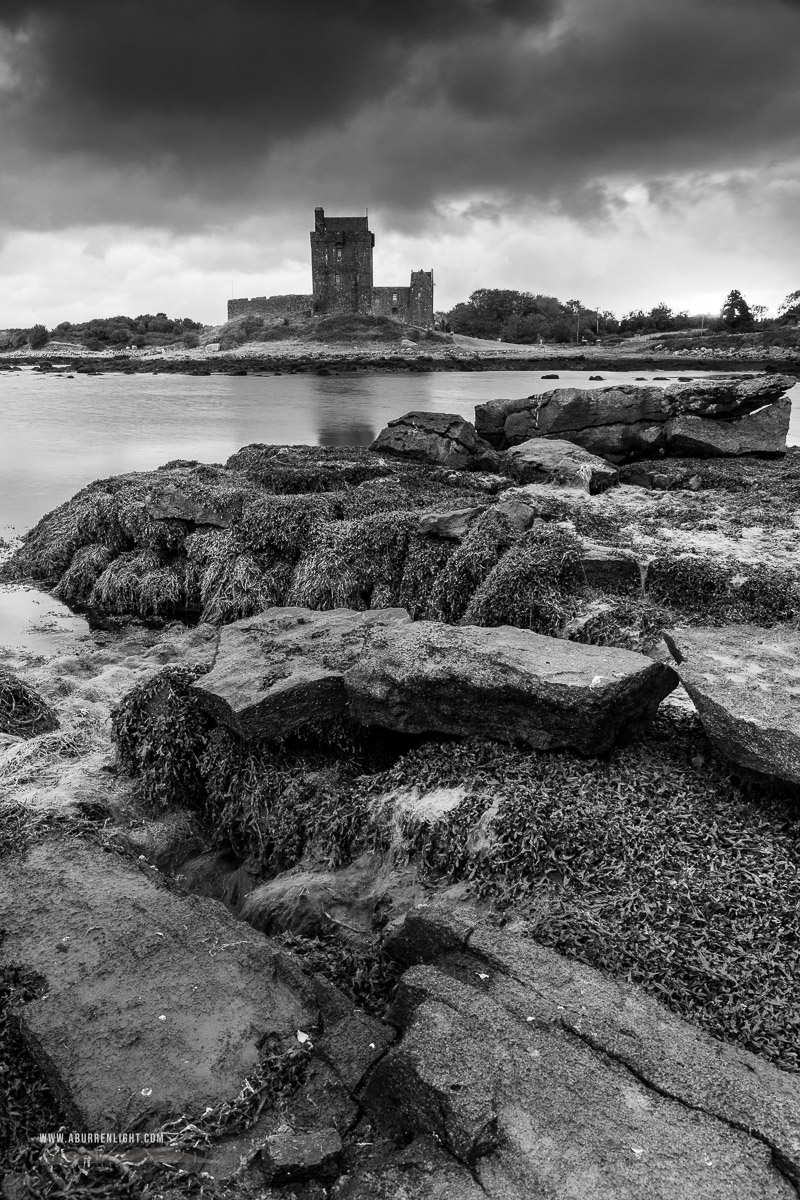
(420,821)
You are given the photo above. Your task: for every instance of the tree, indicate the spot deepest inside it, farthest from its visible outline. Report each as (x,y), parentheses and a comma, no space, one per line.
(789,309)
(37,337)
(736,312)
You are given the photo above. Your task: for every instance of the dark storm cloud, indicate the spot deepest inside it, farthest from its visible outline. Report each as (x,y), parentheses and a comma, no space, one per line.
(175,111)
(140,75)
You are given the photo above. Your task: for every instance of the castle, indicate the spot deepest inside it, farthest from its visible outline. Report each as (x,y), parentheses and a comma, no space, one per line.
(341,274)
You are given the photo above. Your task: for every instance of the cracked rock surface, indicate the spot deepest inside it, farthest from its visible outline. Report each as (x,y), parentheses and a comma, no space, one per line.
(547,1079)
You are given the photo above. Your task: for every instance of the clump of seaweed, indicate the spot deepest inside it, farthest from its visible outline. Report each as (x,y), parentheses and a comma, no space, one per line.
(719,587)
(535,585)
(88,564)
(354,564)
(426,559)
(138,583)
(488,538)
(23,712)
(161,733)
(633,623)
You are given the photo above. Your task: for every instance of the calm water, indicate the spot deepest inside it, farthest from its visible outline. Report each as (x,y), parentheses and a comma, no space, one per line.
(58,433)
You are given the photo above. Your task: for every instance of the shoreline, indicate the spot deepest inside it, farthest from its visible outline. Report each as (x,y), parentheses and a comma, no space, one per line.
(340,363)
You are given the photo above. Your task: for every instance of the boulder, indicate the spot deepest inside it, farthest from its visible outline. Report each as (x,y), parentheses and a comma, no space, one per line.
(506,683)
(706,417)
(444,439)
(544,460)
(745,684)
(153,1003)
(284,668)
(762,432)
(547,1078)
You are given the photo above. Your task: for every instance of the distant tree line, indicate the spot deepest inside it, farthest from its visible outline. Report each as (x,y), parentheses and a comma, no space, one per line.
(512,316)
(108,333)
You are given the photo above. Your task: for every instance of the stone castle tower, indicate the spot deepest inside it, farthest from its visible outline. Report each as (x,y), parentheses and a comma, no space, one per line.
(341,274)
(341,264)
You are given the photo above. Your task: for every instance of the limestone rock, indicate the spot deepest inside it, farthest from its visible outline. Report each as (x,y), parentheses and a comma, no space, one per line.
(452,524)
(550,1079)
(445,439)
(545,460)
(726,397)
(284,668)
(745,684)
(761,432)
(423,1170)
(203,506)
(506,683)
(160,1002)
(565,410)
(610,568)
(288,1157)
(705,417)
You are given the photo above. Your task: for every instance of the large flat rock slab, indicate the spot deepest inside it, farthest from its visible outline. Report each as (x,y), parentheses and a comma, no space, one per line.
(551,1080)
(155,1003)
(285,668)
(506,683)
(745,684)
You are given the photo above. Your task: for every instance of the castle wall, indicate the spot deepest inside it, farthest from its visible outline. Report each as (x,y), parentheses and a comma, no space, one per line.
(392,302)
(270,306)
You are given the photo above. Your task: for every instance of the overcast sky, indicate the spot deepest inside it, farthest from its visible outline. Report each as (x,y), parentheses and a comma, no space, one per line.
(160,155)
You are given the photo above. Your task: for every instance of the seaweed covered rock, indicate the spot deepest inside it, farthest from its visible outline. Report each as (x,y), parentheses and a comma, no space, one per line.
(505,683)
(707,418)
(549,1079)
(545,460)
(745,684)
(444,439)
(23,712)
